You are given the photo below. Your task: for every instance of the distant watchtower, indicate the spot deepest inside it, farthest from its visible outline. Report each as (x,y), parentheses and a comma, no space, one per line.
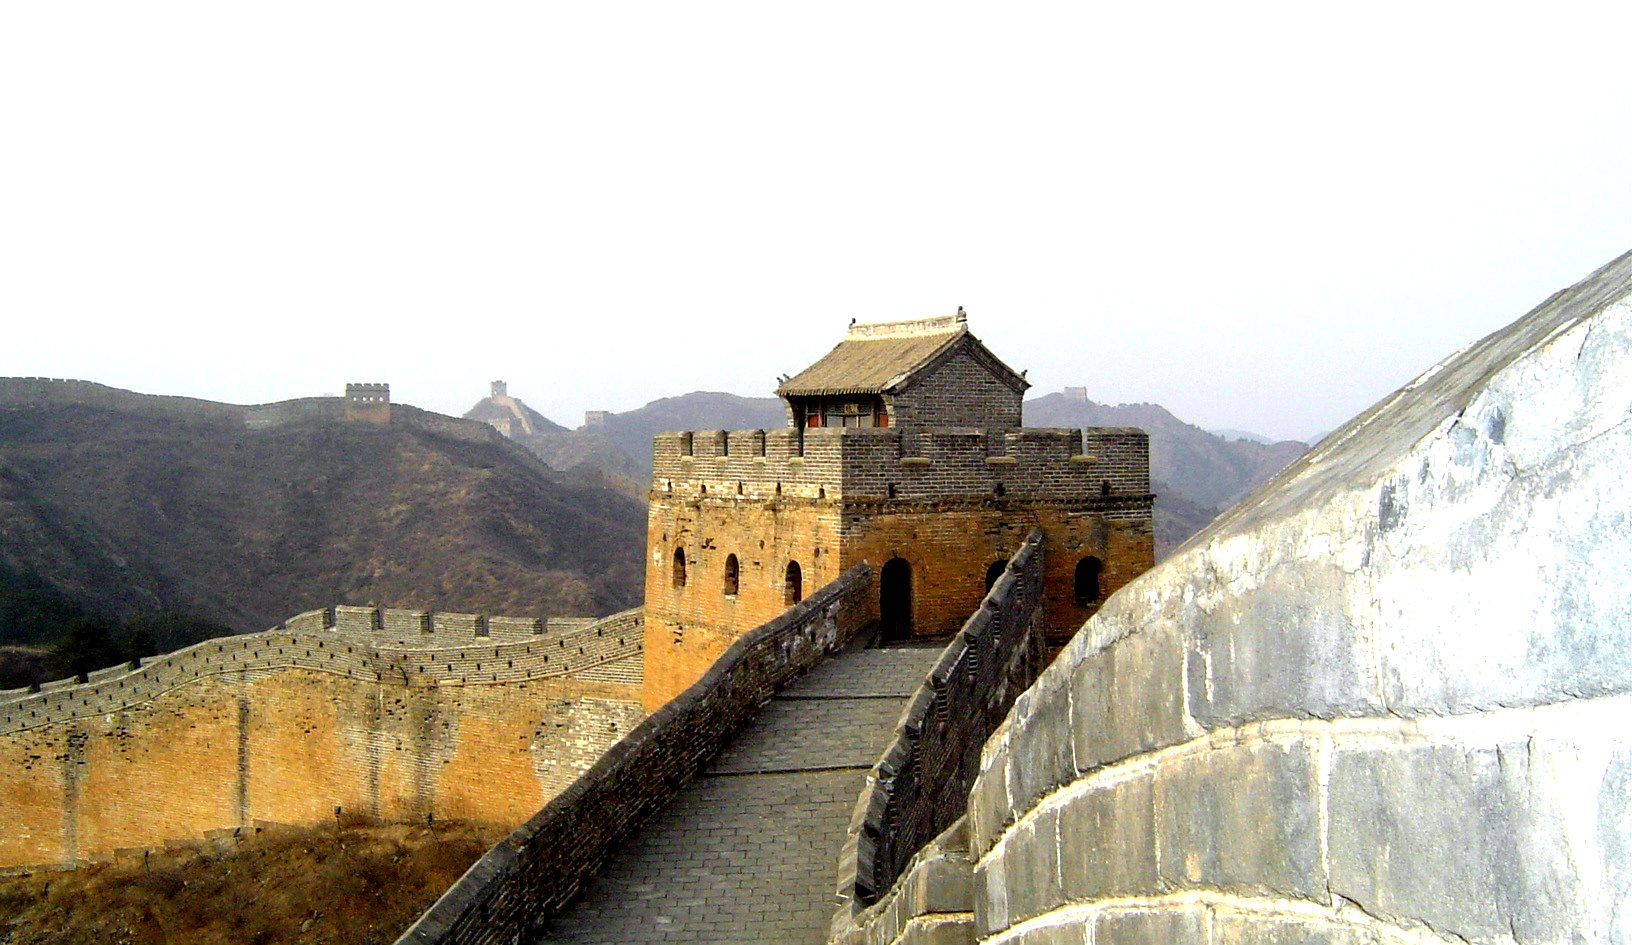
(368,403)
(903,450)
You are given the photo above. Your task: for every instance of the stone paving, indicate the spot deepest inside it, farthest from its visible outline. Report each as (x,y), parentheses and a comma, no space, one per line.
(748,853)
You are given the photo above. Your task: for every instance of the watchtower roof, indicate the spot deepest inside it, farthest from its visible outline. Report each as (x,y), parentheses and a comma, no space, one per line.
(886,357)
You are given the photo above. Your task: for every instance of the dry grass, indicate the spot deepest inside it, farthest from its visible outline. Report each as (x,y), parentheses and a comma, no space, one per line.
(359,883)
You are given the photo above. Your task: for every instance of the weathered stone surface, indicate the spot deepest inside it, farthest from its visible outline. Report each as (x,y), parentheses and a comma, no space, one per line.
(1060,933)
(1615,836)
(1178,925)
(1236,928)
(1109,845)
(991,896)
(989,798)
(1245,818)
(940,931)
(1471,841)
(1032,872)
(943,884)
(1042,720)
(1128,698)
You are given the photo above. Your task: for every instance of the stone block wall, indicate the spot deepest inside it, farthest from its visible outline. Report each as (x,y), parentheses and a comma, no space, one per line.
(1382,700)
(506,896)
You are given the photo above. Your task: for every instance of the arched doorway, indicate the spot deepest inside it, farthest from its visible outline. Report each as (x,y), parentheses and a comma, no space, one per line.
(895,601)
(793,585)
(993,572)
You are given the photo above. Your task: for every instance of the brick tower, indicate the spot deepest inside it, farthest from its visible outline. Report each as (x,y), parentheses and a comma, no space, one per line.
(903,450)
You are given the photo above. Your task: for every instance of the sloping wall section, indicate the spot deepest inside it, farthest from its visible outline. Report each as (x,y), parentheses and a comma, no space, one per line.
(1387,699)
(396,714)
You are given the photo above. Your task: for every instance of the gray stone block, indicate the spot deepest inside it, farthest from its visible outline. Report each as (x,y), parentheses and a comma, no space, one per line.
(940,931)
(942,884)
(1032,871)
(989,800)
(1244,818)
(1234,928)
(1469,841)
(1071,932)
(1128,699)
(1041,758)
(1615,836)
(1108,842)
(991,897)
(1289,648)
(1176,925)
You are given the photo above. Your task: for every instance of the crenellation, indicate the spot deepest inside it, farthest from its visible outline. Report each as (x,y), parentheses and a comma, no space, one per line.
(159,721)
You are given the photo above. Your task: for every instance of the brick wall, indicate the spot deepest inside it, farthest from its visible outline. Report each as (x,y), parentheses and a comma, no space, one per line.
(284,726)
(948,502)
(959,392)
(506,895)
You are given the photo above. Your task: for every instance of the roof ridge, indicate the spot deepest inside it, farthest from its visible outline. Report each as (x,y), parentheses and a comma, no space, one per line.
(910,328)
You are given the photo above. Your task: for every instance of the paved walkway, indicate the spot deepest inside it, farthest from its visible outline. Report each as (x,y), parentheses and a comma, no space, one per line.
(749,852)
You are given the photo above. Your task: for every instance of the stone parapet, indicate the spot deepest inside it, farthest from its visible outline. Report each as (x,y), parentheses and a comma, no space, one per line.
(510,892)
(1382,700)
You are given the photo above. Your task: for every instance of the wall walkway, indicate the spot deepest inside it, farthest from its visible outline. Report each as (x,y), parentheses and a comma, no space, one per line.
(745,854)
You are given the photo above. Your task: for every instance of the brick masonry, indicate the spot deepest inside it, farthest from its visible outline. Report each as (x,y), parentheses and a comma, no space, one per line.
(949,502)
(510,894)
(286,725)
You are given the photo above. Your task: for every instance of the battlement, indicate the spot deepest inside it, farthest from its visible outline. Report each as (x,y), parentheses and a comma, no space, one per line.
(369,392)
(373,645)
(871,464)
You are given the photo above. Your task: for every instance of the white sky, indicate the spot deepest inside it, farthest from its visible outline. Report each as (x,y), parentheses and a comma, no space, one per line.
(1259,216)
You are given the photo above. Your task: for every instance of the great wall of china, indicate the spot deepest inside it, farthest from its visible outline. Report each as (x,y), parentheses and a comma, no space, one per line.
(392,713)
(1383,700)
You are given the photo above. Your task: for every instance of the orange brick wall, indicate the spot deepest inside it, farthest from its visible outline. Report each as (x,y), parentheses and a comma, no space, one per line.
(286,746)
(688,628)
(949,547)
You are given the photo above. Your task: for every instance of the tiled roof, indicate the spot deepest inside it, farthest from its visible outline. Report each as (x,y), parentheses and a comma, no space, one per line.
(871,365)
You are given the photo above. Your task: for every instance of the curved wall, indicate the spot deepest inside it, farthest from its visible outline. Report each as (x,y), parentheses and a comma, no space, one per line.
(1384,700)
(332,711)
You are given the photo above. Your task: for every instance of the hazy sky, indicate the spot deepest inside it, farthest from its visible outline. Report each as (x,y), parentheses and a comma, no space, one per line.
(1260,216)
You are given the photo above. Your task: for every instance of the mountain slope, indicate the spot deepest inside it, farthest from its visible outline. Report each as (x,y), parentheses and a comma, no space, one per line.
(1203,468)
(127,507)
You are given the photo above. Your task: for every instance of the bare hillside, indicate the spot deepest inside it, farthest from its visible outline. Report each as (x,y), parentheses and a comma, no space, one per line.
(127,507)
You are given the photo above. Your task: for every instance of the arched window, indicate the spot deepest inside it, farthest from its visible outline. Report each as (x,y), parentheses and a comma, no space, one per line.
(993,572)
(895,600)
(1086,583)
(679,567)
(793,585)
(731,575)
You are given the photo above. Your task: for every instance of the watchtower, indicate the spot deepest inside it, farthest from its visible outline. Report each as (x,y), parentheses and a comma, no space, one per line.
(368,403)
(903,450)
